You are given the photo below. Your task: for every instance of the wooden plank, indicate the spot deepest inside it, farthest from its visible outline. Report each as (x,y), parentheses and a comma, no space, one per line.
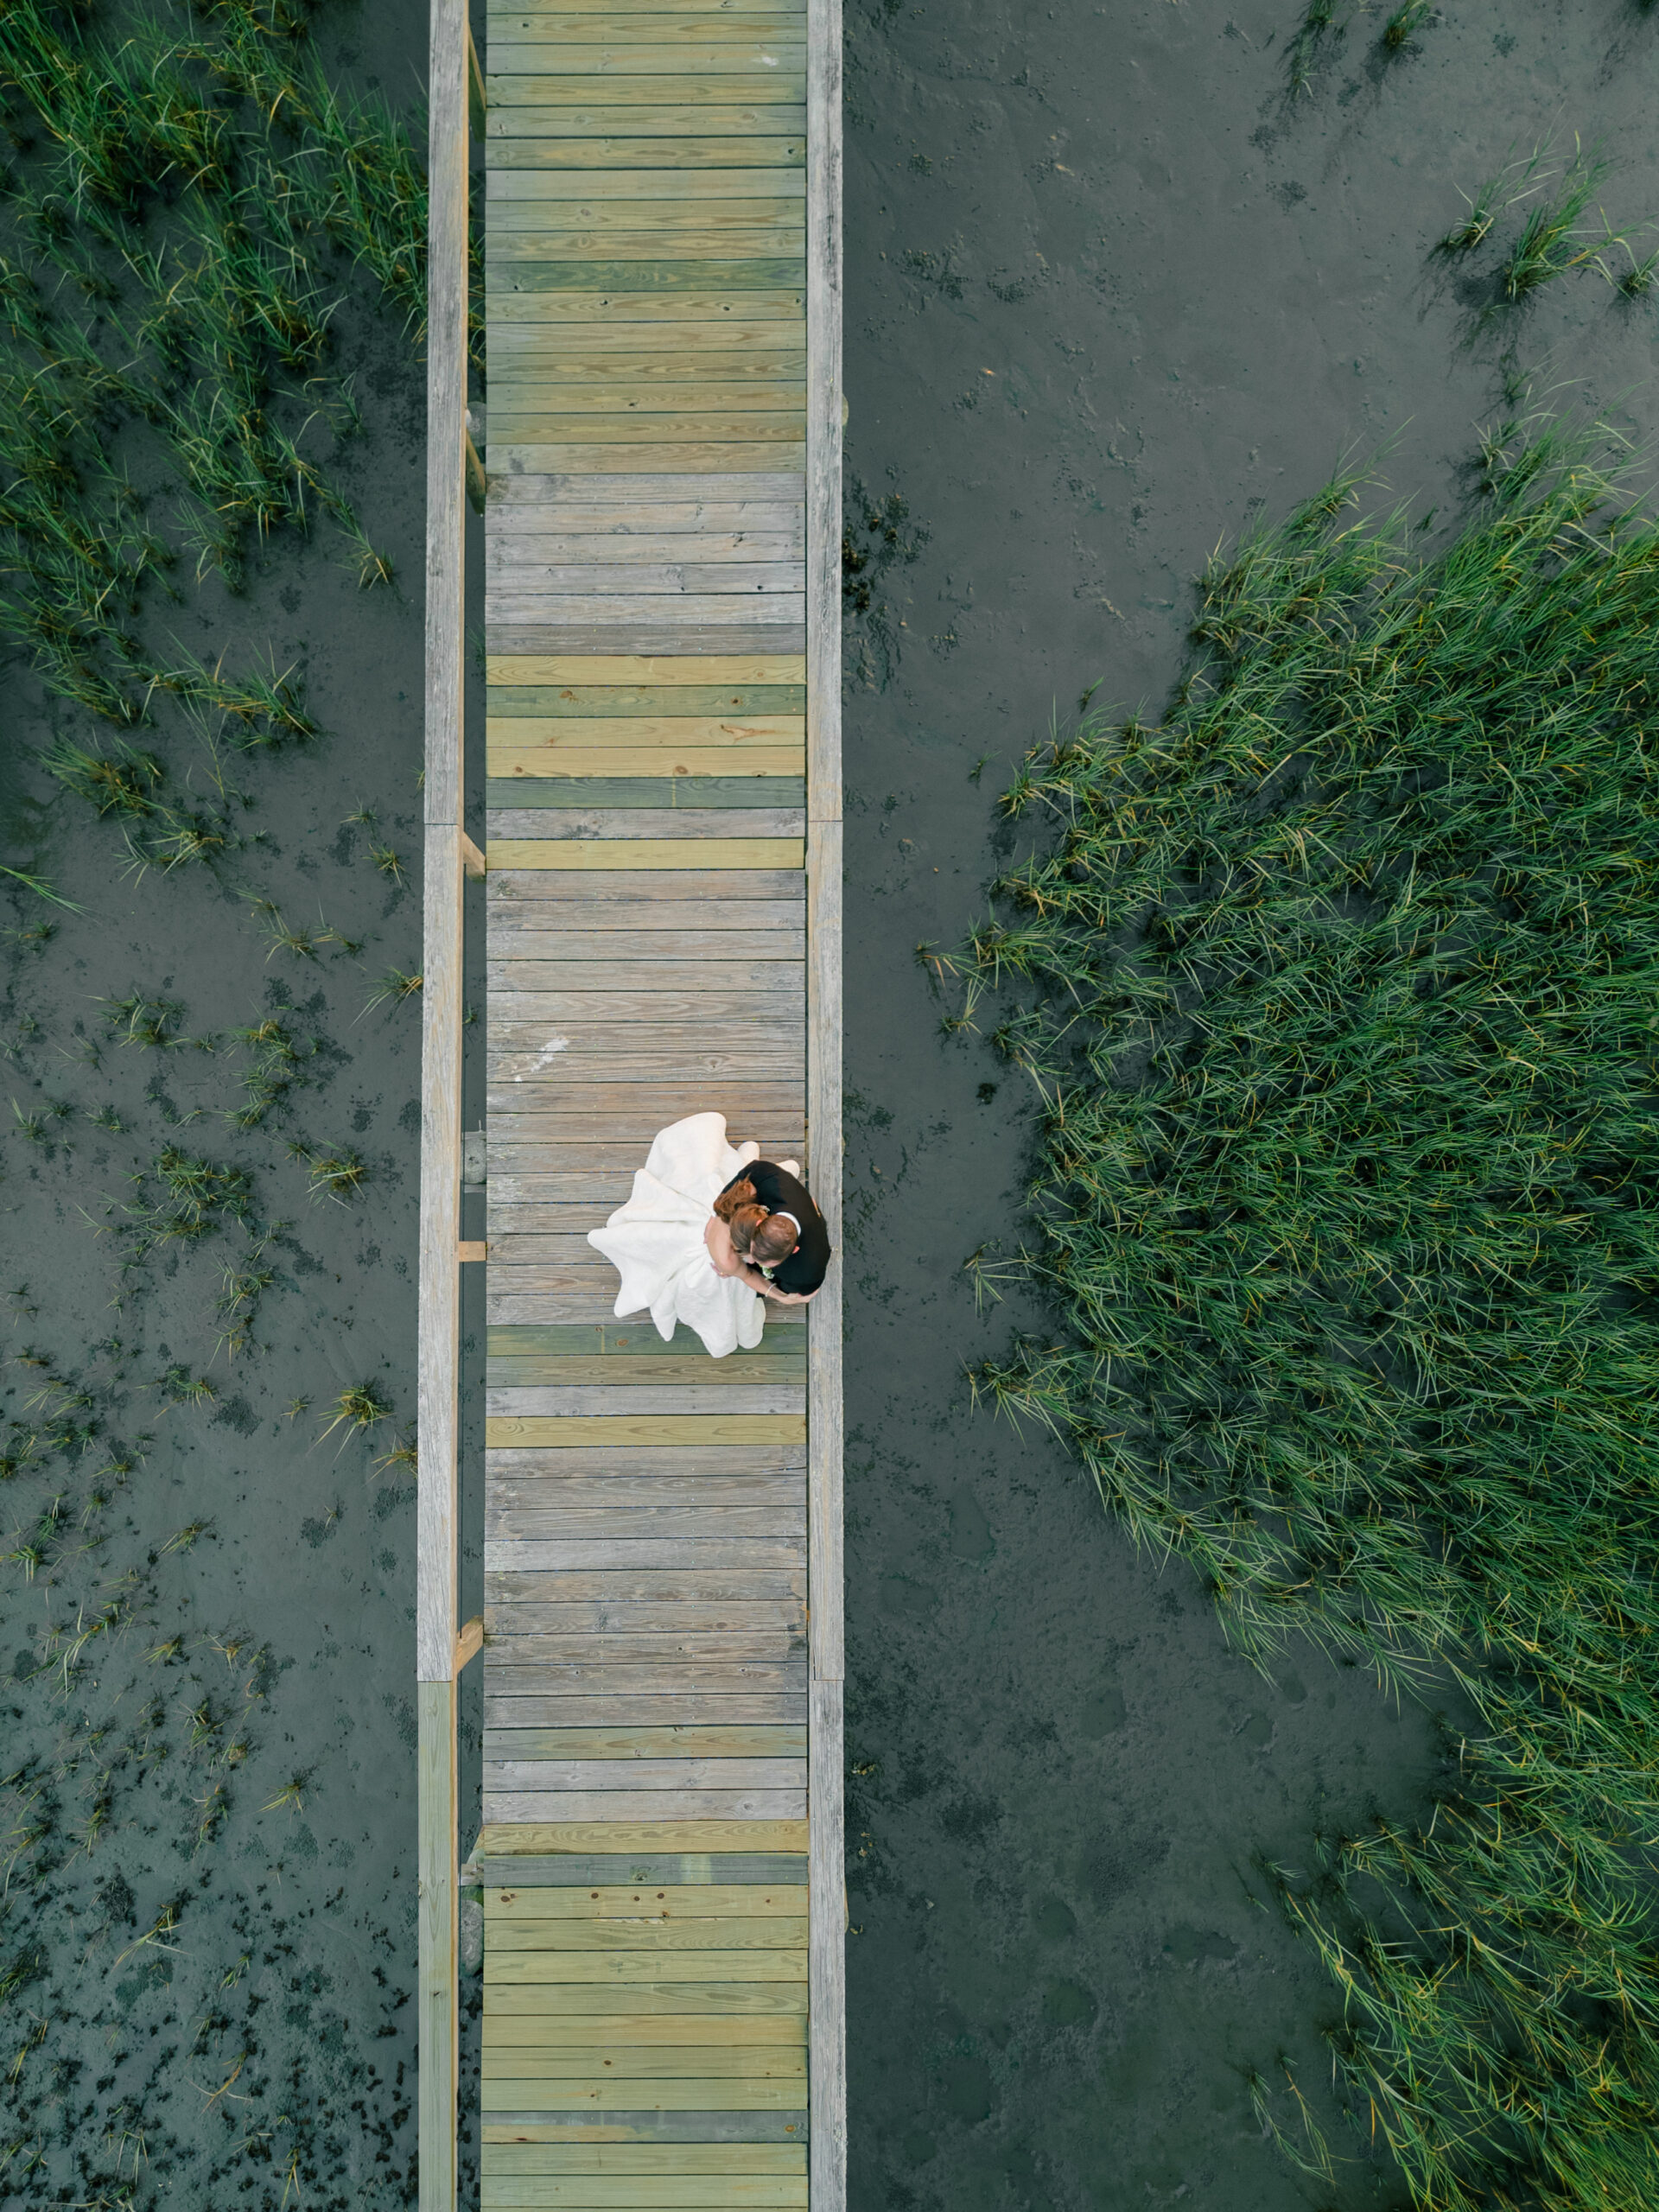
(610,1654)
(725,1397)
(618,1340)
(738,1370)
(607,823)
(661,2158)
(438,2022)
(544,1838)
(589,1870)
(770,155)
(670,1938)
(509,703)
(648,853)
(642,669)
(642,1773)
(681,456)
(595,763)
(728,2128)
(612,189)
(517,2019)
(531,990)
(749,89)
(572,495)
(520,1969)
(761,273)
(646,1805)
(554,1532)
(722,1742)
(625,14)
(715,923)
(737,52)
(729,2000)
(611,543)
(669,2096)
(776,217)
(633,1555)
(664,794)
(640,322)
(675,1704)
(616,1673)
(507,891)
(772,1902)
(520,2190)
(662,125)
(682,572)
(645,1431)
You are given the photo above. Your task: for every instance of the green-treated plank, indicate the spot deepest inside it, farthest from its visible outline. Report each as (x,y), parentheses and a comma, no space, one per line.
(746,792)
(769,156)
(556,1433)
(649,2158)
(616,1340)
(701,2095)
(696,764)
(594,1939)
(522,733)
(521,1969)
(671,1993)
(598,2193)
(760,273)
(641,702)
(729,2127)
(617,188)
(645,669)
(646,853)
(506,1904)
(760,63)
(660,90)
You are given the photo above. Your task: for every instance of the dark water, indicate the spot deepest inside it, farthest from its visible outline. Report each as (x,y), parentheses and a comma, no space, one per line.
(1106,291)
(1110,295)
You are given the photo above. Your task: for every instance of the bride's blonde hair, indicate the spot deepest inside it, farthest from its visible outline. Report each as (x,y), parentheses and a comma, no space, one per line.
(757,1235)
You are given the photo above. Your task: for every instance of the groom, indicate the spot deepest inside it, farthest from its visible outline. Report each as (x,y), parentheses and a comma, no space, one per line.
(766,1231)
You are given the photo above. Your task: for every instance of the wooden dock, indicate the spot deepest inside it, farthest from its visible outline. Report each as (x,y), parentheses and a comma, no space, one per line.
(661,1849)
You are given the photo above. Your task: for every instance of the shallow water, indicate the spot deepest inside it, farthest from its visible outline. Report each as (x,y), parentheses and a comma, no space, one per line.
(1110,295)
(1107,291)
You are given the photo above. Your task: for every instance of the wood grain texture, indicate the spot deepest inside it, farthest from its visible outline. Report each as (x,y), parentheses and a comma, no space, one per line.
(643,1431)
(617,1743)
(604,823)
(646,852)
(629,1836)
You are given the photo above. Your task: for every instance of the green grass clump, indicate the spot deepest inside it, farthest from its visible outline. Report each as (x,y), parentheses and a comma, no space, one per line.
(1338,986)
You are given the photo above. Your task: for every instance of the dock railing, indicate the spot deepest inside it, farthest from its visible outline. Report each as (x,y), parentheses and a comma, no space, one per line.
(439,1654)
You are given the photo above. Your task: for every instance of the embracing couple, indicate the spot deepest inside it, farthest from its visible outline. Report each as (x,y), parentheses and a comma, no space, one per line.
(766,1231)
(711,1235)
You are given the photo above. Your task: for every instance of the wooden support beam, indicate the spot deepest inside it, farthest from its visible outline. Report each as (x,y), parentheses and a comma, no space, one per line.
(827,1936)
(439,1329)
(470,1641)
(472,860)
(470,1251)
(477,102)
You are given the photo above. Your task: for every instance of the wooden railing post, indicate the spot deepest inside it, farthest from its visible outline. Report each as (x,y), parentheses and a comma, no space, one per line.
(439,1344)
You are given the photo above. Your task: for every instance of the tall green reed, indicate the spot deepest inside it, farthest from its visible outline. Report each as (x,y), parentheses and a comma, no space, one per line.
(1338,986)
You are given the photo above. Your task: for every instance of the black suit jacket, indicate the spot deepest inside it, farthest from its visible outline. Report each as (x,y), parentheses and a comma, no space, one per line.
(780,1192)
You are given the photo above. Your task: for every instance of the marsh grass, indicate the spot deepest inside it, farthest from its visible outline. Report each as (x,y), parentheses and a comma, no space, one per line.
(1335,985)
(205,191)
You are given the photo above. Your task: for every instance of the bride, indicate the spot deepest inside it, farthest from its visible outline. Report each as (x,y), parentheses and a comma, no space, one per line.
(708,1232)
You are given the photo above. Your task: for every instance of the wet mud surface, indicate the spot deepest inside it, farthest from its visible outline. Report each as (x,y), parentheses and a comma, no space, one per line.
(1110,295)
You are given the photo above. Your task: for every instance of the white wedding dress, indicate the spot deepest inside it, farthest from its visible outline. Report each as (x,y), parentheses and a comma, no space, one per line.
(655,1242)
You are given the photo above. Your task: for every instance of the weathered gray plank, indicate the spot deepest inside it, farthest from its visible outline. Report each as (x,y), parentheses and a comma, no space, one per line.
(613,188)
(695,1557)
(516,1806)
(651,1398)
(529,896)
(525,984)
(698,1774)
(668,1706)
(610,1671)
(517,584)
(571,494)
